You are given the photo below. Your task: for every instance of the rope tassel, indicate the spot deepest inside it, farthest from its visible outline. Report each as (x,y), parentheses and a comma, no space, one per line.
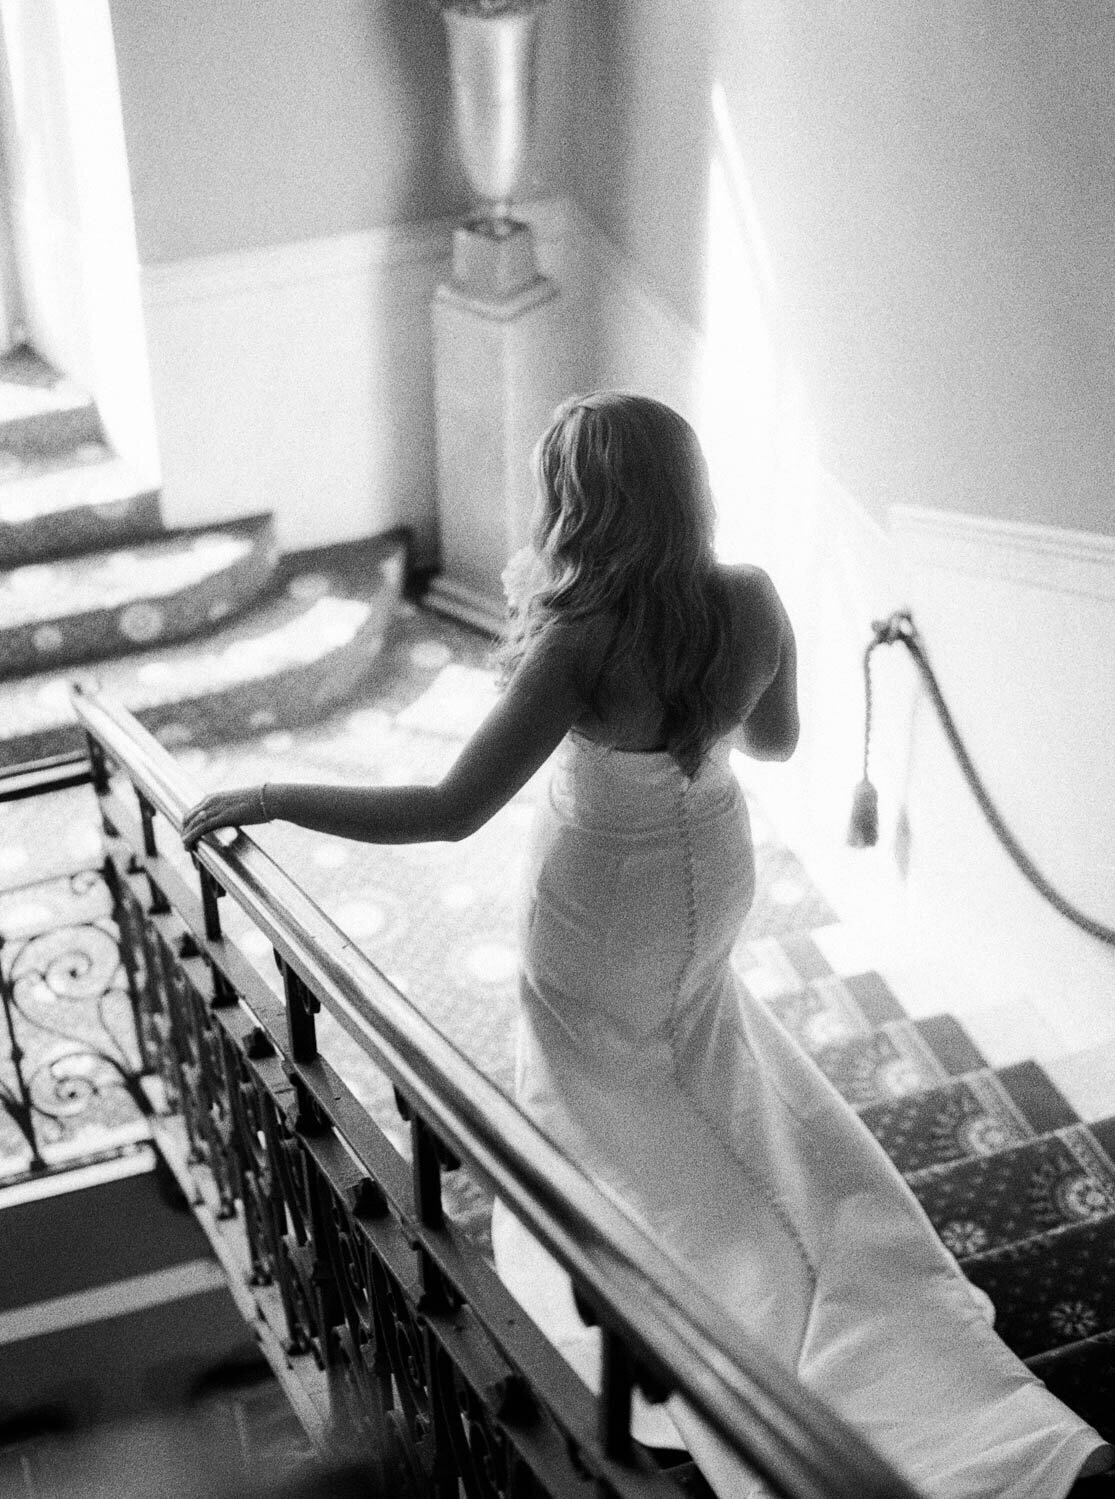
(863,828)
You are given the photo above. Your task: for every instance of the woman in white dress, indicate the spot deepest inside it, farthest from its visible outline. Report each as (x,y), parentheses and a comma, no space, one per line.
(641,660)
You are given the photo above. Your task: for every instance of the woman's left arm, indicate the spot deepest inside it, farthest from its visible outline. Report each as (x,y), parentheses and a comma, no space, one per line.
(536,709)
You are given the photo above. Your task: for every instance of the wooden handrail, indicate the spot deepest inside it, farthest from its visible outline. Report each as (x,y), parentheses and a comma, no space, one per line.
(641,1292)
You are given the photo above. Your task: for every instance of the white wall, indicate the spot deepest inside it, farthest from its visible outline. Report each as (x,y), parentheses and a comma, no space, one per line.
(296,181)
(290,169)
(299,379)
(1019,621)
(252,124)
(1020,625)
(72,212)
(932,184)
(891,225)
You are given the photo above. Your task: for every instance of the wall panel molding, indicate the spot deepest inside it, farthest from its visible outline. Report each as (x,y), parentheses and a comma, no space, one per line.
(252,270)
(1039,556)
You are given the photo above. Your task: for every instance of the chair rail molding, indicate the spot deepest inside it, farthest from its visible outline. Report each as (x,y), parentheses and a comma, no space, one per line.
(1042,556)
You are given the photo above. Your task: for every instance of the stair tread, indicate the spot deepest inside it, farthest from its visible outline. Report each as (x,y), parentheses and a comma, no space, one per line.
(1052,1289)
(274,640)
(67,587)
(896,1059)
(1082,1374)
(78,500)
(306,624)
(101,605)
(1098,1344)
(1022,1192)
(16,467)
(30,386)
(975,1115)
(90,476)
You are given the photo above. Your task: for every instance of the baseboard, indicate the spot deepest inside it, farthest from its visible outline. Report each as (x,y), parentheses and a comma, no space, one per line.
(469,606)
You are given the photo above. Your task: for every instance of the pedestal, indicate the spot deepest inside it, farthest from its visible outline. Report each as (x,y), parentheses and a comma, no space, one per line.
(498,373)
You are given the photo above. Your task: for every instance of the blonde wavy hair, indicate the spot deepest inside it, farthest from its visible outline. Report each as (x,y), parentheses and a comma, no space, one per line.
(624,530)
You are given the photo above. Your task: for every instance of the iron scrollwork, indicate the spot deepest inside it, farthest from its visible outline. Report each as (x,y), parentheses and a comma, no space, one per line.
(396,1397)
(357,1277)
(72,1072)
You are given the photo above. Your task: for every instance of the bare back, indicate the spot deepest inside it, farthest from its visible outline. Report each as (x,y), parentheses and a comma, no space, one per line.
(631,714)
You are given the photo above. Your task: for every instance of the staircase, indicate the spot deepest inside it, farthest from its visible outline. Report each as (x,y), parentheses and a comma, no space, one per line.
(1019,1188)
(198,630)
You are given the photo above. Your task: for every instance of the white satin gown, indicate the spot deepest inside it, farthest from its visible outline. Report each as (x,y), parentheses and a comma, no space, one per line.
(644,1058)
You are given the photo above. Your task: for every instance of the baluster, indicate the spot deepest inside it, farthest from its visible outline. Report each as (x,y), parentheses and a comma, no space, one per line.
(147,818)
(310,1118)
(301,1006)
(426,1167)
(444,1409)
(426,1163)
(98,764)
(211,893)
(128,944)
(615,1398)
(159,906)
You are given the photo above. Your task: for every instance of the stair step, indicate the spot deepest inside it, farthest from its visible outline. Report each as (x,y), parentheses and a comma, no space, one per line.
(100,604)
(1050,1182)
(1051,1290)
(786,899)
(971,1116)
(894,1060)
(41,411)
(824,1011)
(1082,1374)
(92,500)
(288,661)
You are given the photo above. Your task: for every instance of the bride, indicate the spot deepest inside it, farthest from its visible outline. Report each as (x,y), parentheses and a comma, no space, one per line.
(641,660)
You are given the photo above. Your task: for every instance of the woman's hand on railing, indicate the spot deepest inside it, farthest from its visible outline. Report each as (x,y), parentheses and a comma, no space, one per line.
(237,808)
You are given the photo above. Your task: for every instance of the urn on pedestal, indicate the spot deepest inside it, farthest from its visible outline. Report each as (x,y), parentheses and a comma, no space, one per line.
(497,331)
(493,47)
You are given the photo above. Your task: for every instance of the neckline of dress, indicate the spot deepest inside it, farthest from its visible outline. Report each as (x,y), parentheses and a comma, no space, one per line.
(614,749)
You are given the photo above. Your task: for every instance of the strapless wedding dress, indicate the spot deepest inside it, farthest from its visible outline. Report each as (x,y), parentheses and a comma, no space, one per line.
(644,1058)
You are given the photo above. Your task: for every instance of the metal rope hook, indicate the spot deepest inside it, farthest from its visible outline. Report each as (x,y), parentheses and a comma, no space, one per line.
(863,830)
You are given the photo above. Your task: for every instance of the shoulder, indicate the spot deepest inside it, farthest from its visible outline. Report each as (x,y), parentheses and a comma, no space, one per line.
(752,597)
(572,648)
(745,581)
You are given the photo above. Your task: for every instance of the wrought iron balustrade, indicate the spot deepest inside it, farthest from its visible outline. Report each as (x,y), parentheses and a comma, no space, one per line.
(69,1059)
(391,1333)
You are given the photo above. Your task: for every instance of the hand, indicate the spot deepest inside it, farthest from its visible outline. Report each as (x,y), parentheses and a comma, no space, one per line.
(238,808)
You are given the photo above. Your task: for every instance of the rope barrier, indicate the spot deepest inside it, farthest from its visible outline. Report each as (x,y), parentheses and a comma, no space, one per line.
(863,831)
